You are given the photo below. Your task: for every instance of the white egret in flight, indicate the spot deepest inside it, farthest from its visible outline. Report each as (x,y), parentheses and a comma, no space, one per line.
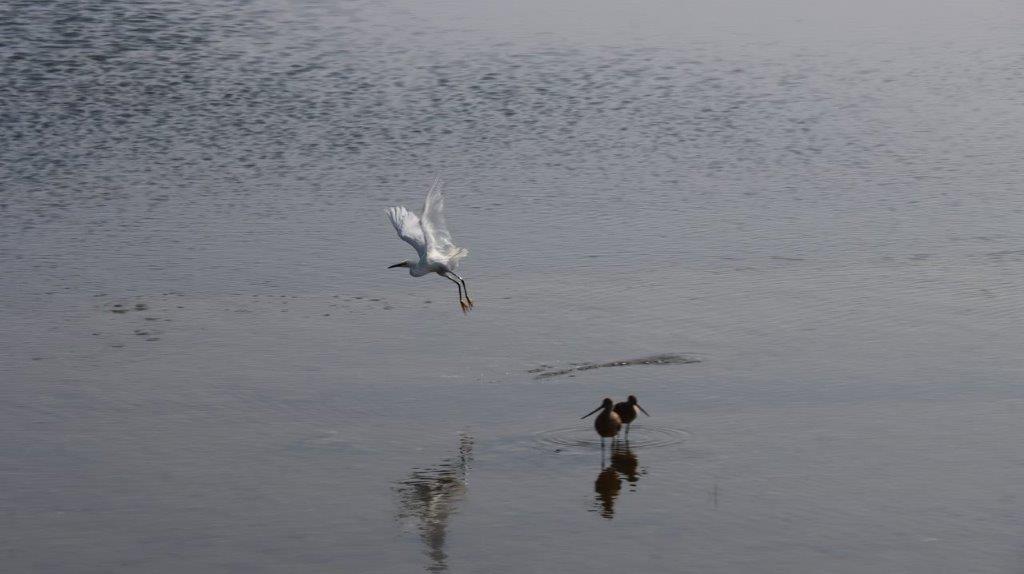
(429,236)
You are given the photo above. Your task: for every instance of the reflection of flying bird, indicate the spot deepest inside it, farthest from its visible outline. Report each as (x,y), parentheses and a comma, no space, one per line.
(431,496)
(429,236)
(607,424)
(627,411)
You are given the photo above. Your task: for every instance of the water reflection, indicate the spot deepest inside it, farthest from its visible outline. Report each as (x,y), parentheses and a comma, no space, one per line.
(624,465)
(607,487)
(429,498)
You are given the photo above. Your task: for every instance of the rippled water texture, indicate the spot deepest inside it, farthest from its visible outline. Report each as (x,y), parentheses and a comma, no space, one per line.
(643,435)
(793,228)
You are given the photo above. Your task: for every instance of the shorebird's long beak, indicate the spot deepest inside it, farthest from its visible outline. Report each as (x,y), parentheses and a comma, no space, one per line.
(591,412)
(642,409)
(402,264)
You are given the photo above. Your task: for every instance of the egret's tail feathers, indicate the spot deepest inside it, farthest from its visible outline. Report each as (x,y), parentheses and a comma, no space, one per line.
(459,253)
(448,256)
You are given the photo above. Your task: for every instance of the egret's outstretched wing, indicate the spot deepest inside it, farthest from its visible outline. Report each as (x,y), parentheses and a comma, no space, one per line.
(435,229)
(408,227)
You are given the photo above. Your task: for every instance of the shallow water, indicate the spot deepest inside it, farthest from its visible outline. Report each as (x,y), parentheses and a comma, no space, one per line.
(810,214)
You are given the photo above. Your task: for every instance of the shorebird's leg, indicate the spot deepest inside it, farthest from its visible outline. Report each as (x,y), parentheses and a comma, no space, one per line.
(464,288)
(459,285)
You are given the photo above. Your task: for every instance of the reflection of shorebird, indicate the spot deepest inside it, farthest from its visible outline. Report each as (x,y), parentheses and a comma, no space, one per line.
(429,236)
(429,497)
(627,411)
(607,487)
(609,481)
(607,424)
(624,461)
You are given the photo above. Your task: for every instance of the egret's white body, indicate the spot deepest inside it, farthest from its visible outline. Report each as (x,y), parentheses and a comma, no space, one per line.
(429,236)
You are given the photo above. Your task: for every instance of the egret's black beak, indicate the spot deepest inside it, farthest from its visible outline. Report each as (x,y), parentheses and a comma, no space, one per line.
(402,264)
(591,412)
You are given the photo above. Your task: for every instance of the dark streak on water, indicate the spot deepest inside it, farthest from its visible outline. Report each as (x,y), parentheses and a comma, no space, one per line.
(666,359)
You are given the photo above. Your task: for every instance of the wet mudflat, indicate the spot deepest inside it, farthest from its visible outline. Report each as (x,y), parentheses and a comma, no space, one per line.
(261,433)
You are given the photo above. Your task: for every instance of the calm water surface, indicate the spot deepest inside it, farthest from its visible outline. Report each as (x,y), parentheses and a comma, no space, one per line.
(207,367)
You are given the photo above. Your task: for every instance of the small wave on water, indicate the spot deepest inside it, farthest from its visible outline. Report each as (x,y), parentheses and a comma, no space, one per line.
(546,371)
(646,436)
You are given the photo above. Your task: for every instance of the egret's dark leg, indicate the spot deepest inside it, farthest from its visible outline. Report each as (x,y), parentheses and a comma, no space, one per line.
(459,286)
(464,288)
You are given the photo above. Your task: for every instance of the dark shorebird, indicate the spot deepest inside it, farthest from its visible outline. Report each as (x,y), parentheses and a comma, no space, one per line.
(627,411)
(607,424)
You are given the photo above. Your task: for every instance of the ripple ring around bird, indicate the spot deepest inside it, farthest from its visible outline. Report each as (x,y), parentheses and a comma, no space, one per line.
(645,436)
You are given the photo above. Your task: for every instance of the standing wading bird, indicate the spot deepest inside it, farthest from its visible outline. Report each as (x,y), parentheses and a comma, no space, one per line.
(607,424)
(429,236)
(627,412)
